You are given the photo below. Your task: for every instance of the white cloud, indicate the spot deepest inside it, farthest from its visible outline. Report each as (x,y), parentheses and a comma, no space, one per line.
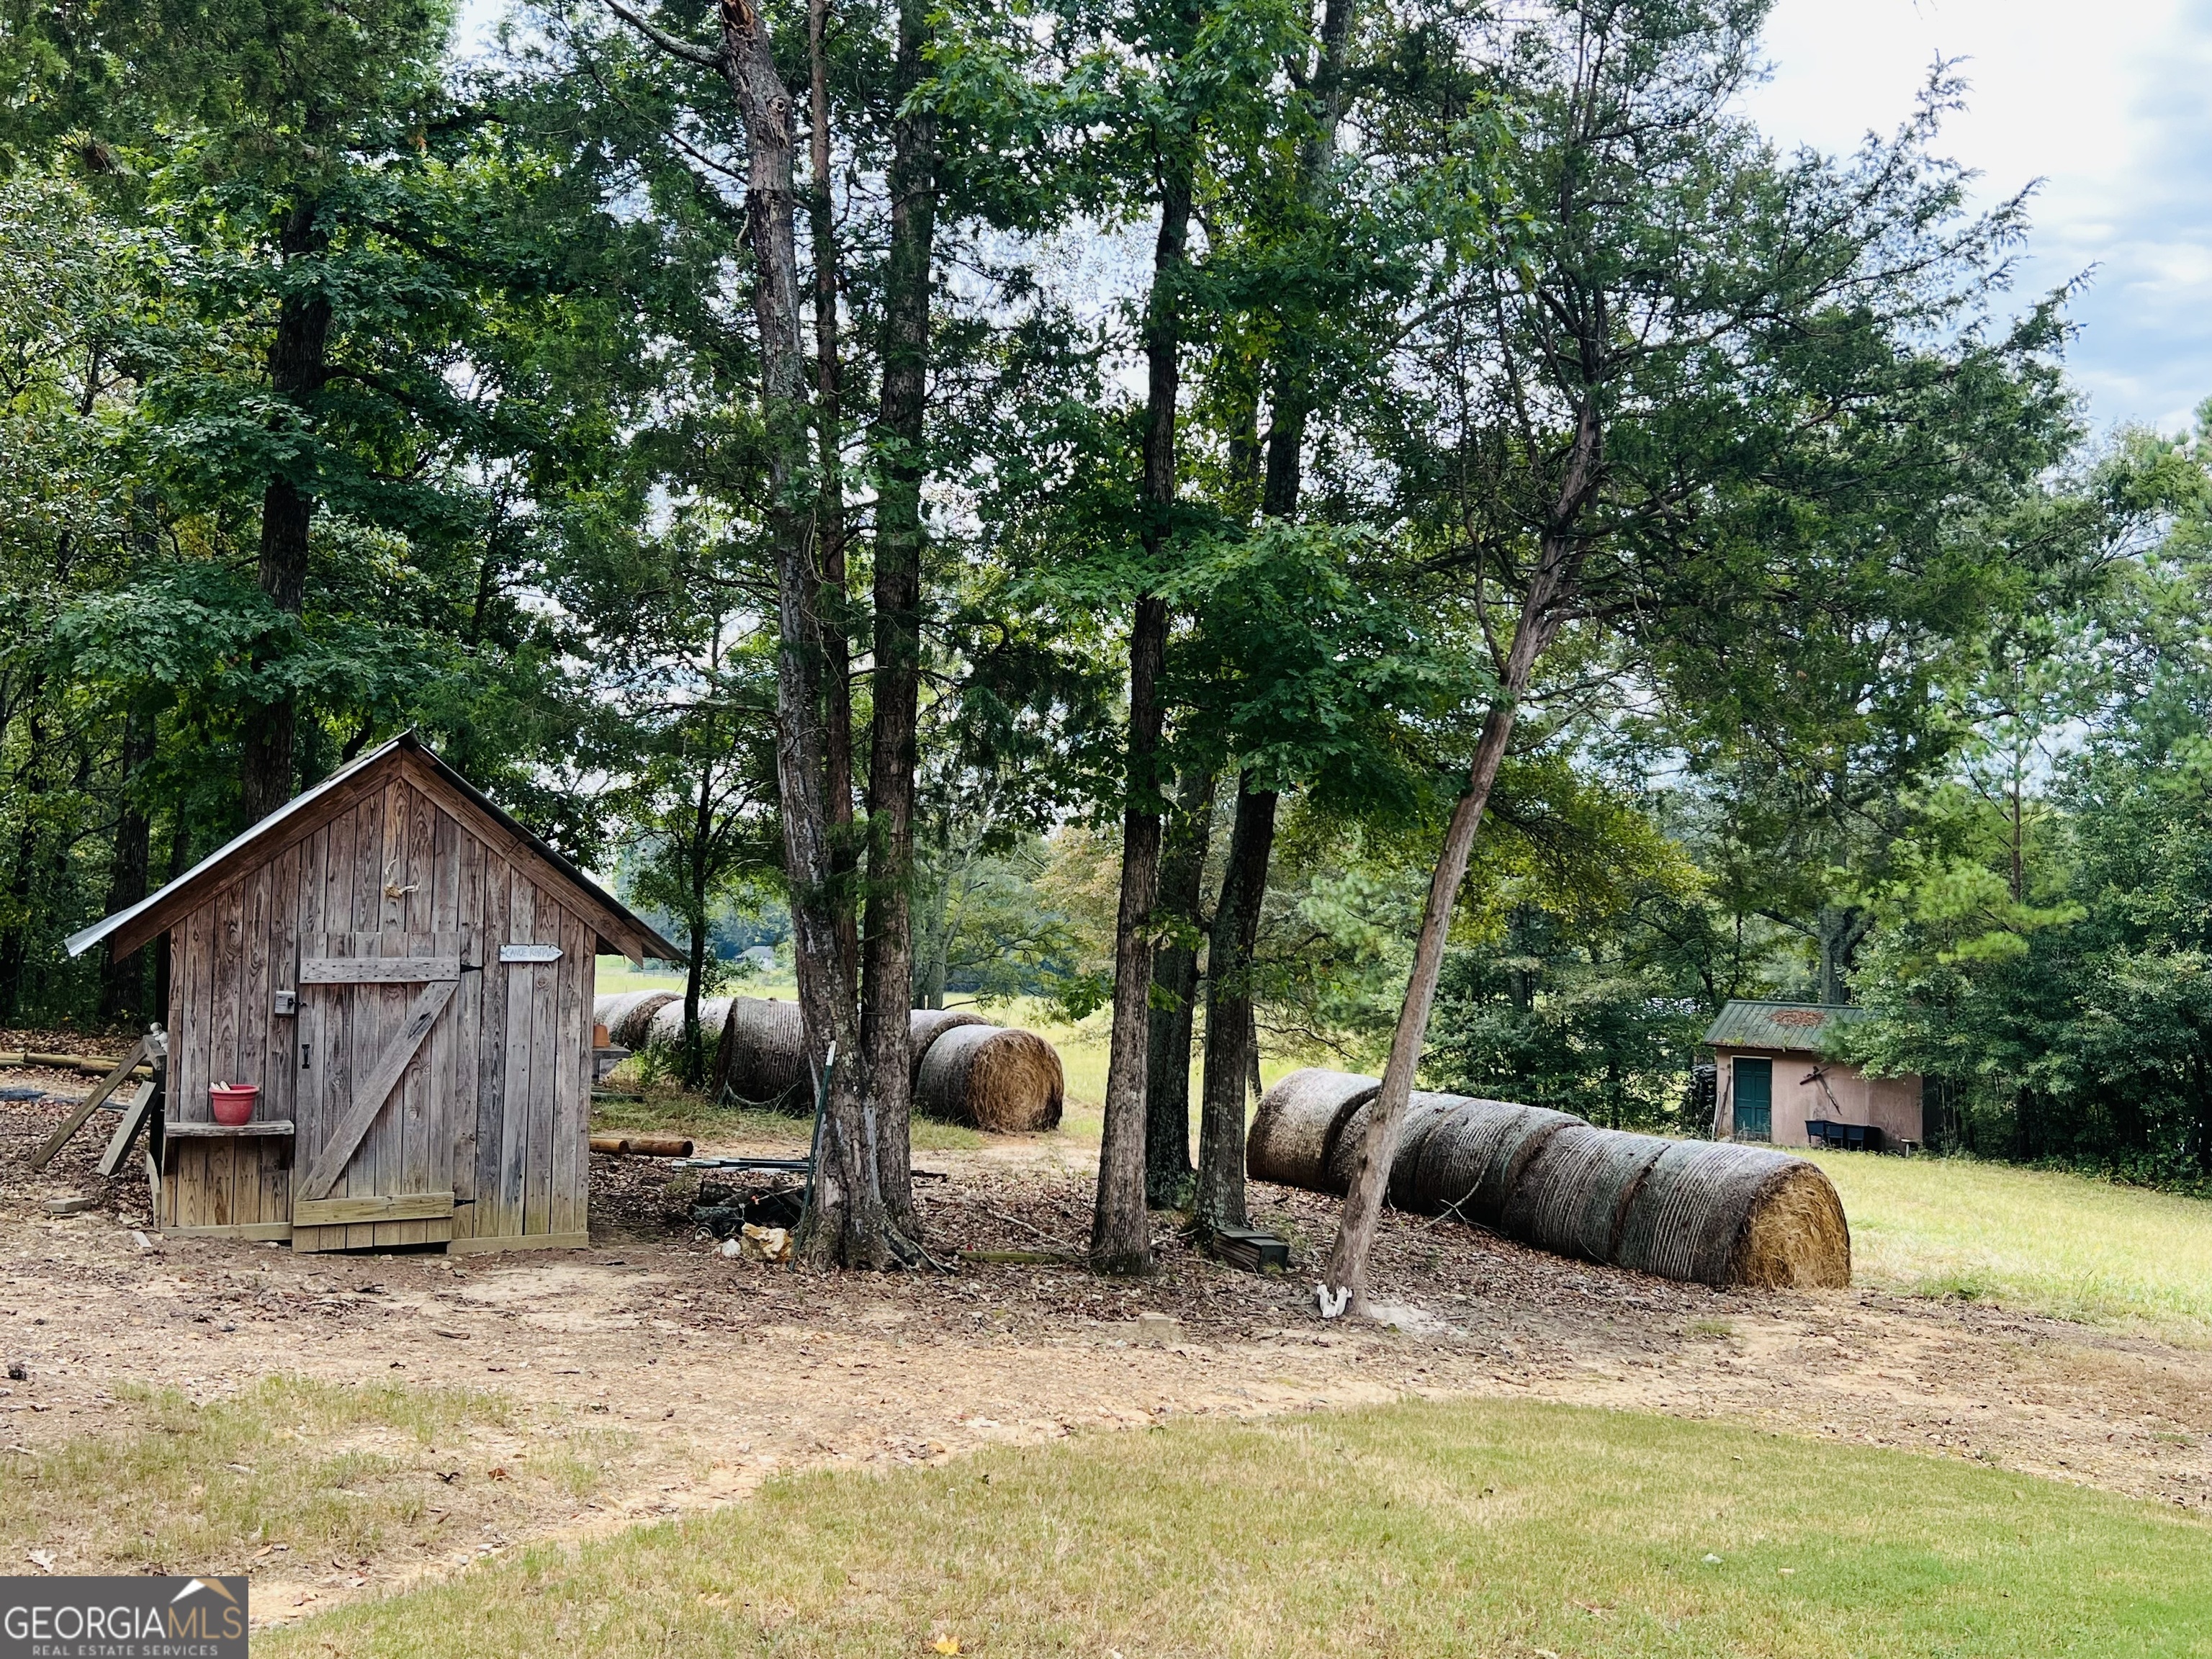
(2106,104)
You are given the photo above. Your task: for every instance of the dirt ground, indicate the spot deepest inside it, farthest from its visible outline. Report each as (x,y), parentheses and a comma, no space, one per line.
(700,1375)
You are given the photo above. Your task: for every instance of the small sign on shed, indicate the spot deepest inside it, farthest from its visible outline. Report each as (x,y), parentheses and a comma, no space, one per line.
(405,974)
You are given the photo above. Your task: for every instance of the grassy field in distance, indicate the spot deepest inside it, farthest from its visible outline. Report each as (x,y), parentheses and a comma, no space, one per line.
(2063,1244)
(1415,1529)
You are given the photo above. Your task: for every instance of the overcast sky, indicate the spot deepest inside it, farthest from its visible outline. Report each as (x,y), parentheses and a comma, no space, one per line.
(2109,104)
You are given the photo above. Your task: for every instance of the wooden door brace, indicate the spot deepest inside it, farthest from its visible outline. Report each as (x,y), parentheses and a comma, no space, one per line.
(330,1162)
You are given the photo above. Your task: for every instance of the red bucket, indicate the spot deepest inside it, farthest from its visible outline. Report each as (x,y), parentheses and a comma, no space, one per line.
(233,1101)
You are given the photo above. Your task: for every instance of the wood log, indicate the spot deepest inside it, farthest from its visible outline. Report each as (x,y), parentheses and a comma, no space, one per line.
(642,1143)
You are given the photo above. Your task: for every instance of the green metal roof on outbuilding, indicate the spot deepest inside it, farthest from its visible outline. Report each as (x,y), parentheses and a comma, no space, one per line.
(1802,1027)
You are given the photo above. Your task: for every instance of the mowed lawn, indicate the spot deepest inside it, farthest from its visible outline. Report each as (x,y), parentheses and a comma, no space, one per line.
(1468,1528)
(2060,1244)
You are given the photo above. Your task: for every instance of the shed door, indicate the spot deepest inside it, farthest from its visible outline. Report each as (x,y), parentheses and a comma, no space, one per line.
(374,1164)
(1754,1098)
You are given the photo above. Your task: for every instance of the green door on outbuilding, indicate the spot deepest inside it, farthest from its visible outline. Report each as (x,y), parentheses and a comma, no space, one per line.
(1754,1098)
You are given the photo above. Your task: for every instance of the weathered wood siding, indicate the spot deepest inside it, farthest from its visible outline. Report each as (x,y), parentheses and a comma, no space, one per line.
(496,1101)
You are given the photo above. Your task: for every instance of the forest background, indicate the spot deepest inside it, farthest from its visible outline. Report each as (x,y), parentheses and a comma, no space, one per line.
(1377,368)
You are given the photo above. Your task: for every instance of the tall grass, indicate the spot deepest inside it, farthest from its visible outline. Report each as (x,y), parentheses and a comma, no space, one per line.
(2067,1245)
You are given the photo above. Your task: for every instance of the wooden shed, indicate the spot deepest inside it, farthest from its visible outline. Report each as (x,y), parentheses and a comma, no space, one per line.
(1774,1080)
(406,973)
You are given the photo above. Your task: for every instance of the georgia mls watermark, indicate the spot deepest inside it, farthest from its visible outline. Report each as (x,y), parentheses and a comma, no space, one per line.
(121,1618)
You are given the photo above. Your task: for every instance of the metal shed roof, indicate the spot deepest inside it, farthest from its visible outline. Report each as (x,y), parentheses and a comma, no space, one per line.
(1798,1027)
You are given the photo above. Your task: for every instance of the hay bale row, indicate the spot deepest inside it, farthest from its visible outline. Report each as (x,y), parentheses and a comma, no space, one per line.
(1717,1214)
(628,1015)
(965,1069)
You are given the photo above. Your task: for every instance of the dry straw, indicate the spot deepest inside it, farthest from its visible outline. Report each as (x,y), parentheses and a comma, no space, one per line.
(762,1059)
(928,1024)
(1296,1126)
(993,1077)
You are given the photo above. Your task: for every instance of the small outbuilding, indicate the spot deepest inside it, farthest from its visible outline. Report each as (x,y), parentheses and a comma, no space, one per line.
(1774,1081)
(405,975)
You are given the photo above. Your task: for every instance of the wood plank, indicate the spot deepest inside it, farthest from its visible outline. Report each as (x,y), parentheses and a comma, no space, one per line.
(114,1081)
(461,1099)
(396,1235)
(189,896)
(491,1048)
(389,1207)
(545,1058)
(251,1232)
(404,969)
(330,1158)
(134,1119)
(480,1243)
(220,1164)
(609,922)
(514,1115)
(374,1166)
(431,1153)
(187,1191)
(255,1016)
(278,1127)
(568,1163)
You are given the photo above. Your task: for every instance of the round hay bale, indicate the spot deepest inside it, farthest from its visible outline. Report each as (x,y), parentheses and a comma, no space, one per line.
(665,1030)
(1575,1193)
(1297,1125)
(1424,1113)
(928,1024)
(763,1061)
(993,1077)
(1469,1162)
(1717,1214)
(629,1014)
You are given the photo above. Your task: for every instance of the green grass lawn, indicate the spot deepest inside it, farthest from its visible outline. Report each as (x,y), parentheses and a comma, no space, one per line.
(2060,1244)
(1472,1527)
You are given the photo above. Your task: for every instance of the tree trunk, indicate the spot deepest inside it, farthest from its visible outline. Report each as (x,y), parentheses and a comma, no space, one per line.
(1168,1172)
(123,984)
(833,601)
(846,1225)
(15,937)
(893,746)
(1291,398)
(1542,611)
(1229,1010)
(298,368)
(1120,1241)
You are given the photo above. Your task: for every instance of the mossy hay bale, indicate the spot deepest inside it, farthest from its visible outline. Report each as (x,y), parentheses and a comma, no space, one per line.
(991,1077)
(1424,1113)
(928,1024)
(628,1015)
(1725,1214)
(763,1061)
(1469,1162)
(1298,1123)
(1574,1194)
